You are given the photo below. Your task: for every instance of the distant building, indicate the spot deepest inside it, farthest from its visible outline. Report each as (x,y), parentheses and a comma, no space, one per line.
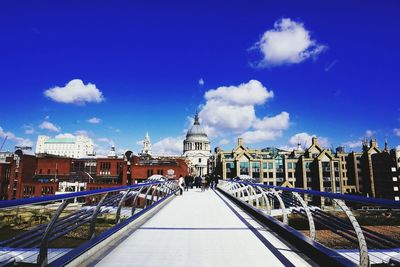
(146,150)
(75,147)
(170,167)
(371,172)
(196,148)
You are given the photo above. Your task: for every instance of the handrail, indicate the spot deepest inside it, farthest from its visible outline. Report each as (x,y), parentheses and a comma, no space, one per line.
(352,231)
(358,199)
(38,200)
(57,226)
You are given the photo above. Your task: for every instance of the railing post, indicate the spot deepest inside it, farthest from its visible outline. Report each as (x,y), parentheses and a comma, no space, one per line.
(145,196)
(266,200)
(311,223)
(282,205)
(156,189)
(252,189)
(118,214)
(364,258)
(42,259)
(135,200)
(93,219)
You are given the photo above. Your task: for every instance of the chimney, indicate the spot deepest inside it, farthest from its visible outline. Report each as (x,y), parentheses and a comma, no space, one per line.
(240,141)
(314,140)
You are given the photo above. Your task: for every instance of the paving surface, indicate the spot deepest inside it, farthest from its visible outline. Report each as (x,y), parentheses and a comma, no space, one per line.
(202,229)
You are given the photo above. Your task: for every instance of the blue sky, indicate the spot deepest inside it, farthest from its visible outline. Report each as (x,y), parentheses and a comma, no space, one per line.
(332,67)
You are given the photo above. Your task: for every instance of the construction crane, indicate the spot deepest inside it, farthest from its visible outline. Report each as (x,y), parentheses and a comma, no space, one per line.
(5,139)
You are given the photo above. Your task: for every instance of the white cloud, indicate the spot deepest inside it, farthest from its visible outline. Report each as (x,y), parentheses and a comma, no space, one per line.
(224,141)
(65,135)
(169,146)
(289,42)
(75,92)
(101,150)
(267,129)
(221,115)
(231,110)
(251,93)
(201,81)
(94,120)
(305,140)
(19,141)
(260,136)
(70,135)
(278,122)
(370,133)
(396,131)
(46,125)
(29,129)
(139,142)
(82,132)
(106,140)
(352,144)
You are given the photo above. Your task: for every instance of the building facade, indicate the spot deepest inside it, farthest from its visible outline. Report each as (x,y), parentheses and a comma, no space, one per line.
(371,172)
(75,147)
(196,148)
(24,176)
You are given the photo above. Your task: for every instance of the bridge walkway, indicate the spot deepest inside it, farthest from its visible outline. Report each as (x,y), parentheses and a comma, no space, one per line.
(202,229)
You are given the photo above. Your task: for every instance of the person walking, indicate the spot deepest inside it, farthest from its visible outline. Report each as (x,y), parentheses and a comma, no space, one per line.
(181,184)
(212,178)
(187,182)
(208,181)
(203,183)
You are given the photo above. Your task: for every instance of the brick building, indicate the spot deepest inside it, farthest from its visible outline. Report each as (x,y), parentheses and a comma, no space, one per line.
(173,168)
(23,175)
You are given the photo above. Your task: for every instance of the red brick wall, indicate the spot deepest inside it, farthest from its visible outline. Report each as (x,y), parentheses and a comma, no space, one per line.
(36,189)
(113,166)
(26,171)
(141,171)
(4,182)
(48,166)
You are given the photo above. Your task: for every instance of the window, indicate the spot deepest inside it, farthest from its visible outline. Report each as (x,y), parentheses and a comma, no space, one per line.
(40,171)
(396,188)
(48,171)
(199,160)
(308,165)
(290,165)
(244,168)
(270,165)
(397,198)
(394,179)
(264,165)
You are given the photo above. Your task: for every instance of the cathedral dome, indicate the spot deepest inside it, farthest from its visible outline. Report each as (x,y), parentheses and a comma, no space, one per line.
(196,132)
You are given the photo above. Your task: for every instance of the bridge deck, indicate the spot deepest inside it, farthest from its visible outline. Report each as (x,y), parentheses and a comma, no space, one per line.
(202,229)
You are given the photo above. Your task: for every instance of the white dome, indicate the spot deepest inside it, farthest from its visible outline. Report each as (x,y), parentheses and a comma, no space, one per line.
(196,132)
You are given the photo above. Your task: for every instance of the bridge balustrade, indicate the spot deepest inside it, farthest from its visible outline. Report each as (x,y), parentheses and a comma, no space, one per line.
(337,214)
(61,227)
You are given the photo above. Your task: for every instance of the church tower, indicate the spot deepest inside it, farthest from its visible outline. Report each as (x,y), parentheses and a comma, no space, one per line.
(146,145)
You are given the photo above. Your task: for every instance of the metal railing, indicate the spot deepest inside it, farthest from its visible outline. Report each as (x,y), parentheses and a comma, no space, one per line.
(30,228)
(328,211)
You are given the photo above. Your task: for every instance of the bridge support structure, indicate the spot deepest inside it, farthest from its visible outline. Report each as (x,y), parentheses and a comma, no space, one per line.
(291,201)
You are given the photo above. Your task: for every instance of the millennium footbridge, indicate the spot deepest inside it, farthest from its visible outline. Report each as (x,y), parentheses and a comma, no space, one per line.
(239,223)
